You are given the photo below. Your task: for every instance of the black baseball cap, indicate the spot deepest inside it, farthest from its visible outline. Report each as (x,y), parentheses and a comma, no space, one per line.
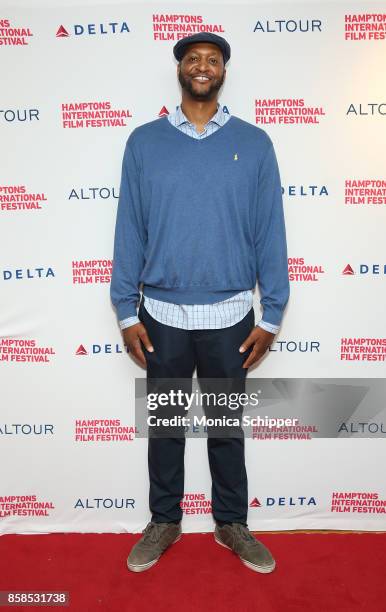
(180,47)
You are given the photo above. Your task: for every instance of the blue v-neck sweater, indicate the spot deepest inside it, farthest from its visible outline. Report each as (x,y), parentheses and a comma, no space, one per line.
(200,220)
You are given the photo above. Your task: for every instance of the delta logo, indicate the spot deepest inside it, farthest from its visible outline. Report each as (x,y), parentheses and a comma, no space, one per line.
(299,271)
(279,26)
(93,29)
(100,349)
(78,115)
(24,505)
(27,273)
(358,502)
(103,430)
(196,503)
(304,191)
(171,26)
(21,350)
(105,503)
(13,36)
(17,197)
(91,271)
(92,193)
(283,501)
(363,349)
(365,269)
(365,26)
(365,191)
(286,111)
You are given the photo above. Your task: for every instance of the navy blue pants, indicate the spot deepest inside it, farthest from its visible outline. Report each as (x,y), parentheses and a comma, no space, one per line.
(215,353)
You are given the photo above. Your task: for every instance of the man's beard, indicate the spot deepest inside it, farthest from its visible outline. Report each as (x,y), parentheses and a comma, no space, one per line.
(215,85)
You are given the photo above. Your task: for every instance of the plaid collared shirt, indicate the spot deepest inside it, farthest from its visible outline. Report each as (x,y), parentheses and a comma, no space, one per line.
(200,316)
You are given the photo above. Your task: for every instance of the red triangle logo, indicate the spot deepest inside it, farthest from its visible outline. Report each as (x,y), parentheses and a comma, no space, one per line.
(81,350)
(163,112)
(255,503)
(348,271)
(62,32)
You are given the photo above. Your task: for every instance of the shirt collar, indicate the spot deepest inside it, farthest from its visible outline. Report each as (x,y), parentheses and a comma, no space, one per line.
(218,117)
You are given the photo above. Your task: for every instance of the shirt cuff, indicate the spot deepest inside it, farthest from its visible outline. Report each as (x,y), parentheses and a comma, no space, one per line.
(128,322)
(273,329)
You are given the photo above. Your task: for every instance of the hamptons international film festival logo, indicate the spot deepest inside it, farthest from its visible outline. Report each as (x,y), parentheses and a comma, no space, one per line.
(365,26)
(302,501)
(287,111)
(25,505)
(96,114)
(196,503)
(174,26)
(107,28)
(365,191)
(14,35)
(294,431)
(91,271)
(20,350)
(19,197)
(355,502)
(103,430)
(363,349)
(301,271)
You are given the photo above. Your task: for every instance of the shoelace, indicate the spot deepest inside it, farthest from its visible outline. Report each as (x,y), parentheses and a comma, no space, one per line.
(152,532)
(244,533)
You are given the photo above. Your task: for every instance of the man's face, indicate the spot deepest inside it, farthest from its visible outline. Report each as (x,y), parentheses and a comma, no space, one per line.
(201,71)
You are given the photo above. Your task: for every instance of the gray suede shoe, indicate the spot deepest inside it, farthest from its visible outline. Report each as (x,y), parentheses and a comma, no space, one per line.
(157,537)
(252,553)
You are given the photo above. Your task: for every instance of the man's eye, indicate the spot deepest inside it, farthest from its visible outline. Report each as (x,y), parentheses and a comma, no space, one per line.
(213,61)
(193,58)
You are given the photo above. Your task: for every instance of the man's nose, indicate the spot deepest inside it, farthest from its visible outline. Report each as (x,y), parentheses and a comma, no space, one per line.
(203,64)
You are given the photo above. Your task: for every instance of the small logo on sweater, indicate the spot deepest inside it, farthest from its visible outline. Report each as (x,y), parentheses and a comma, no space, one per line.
(235,157)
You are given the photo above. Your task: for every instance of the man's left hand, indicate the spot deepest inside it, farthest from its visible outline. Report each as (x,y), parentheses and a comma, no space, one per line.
(261,340)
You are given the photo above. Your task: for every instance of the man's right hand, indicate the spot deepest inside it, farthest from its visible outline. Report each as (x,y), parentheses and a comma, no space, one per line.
(133,336)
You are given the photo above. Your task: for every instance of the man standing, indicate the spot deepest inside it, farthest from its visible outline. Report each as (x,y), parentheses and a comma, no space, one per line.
(199,219)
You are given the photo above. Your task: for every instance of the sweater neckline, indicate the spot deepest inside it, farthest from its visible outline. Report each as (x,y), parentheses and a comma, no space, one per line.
(199,140)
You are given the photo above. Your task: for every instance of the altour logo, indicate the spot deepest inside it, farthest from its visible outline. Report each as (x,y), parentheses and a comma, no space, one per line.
(103,430)
(92,193)
(101,349)
(77,115)
(304,191)
(295,346)
(24,505)
(93,29)
(92,271)
(288,25)
(176,26)
(365,269)
(369,109)
(26,429)
(196,503)
(363,349)
(299,271)
(365,26)
(11,35)
(283,501)
(22,351)
(365,191)
(15,115)
(357,502)
(105,503)
(16,197)
(286,111)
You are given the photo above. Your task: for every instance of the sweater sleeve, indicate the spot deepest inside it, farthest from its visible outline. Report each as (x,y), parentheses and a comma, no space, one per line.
(130,239)
(271,246)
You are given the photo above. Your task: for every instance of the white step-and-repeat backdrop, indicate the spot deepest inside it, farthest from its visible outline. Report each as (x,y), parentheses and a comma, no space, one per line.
(76,79)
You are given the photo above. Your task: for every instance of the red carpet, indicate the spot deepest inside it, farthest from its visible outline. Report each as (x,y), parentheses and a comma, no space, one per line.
(315,572)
